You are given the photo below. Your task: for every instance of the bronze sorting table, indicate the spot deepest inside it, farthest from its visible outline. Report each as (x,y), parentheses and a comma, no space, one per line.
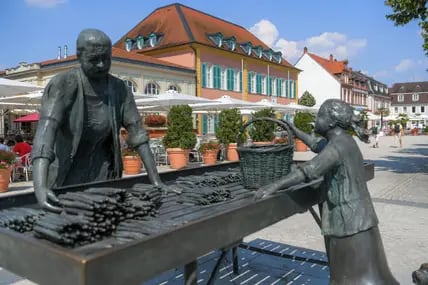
(208,228)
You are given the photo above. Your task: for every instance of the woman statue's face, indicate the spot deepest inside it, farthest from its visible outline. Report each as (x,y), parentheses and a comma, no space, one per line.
(323,121)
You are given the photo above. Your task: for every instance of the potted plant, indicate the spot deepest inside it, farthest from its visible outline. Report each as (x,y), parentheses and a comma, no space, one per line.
(209,151)
(155,120)
(7,160)
(303,121)
(263,132)
(179,137)
(230,124)
(131,161)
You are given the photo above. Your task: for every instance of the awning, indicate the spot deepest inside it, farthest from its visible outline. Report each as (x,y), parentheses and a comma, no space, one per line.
(28,118)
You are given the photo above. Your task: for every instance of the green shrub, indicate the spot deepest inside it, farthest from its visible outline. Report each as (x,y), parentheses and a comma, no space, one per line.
(261,131)
(303,121)
(229,125)
(180,128)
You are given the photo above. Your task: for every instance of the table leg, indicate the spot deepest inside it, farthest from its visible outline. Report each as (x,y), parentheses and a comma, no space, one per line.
(235,260)
(191,273)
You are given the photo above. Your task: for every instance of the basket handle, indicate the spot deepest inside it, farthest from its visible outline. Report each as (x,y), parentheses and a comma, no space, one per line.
(281,123)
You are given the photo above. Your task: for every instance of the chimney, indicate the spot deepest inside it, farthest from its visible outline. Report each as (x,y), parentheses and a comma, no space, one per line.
(305,50)
(65,51)
(331,57)
(59,53)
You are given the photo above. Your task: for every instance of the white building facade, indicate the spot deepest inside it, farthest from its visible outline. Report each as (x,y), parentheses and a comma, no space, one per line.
(315,79)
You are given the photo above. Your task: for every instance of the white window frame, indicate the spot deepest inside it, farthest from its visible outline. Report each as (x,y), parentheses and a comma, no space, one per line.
(415,97)
(223,78)
(400,98)
(237,74)
(264,84)
(209,71)
(274,86)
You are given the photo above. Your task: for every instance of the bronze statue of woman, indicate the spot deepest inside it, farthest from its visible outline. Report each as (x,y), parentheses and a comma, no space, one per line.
(82,111)
(348,219)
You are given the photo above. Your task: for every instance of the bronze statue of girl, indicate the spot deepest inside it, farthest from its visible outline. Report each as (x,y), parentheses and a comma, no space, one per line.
(349,223)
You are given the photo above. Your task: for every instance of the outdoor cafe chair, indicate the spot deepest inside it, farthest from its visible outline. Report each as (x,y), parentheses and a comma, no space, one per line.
(23,166)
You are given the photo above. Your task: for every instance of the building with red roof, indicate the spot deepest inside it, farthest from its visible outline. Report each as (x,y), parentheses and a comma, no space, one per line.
(327,78)
(227,58)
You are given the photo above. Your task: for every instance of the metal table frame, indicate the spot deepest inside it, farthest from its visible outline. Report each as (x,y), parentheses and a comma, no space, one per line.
(132,263)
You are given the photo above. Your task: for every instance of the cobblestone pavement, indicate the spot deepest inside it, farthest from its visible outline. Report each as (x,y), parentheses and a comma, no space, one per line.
(400,195)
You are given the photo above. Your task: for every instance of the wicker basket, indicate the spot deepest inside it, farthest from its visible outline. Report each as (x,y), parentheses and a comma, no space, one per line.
(263,164)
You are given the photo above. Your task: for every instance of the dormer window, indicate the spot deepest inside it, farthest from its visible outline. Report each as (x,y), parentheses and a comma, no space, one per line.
(258,51)
(268,54)
(153,39)
(247,48)
(415,97)
(401,88)
(418,87)
(230,43)
(140,42)
(129,44)
(277,56)
(217,39)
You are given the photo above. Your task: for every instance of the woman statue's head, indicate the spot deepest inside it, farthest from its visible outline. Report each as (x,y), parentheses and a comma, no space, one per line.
(337,113)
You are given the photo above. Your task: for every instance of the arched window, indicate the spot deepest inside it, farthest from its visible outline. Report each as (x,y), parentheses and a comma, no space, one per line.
(173,87)
(151,88)
(131,85)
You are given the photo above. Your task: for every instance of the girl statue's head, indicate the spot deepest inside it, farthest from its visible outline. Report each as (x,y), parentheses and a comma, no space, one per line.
(336,113)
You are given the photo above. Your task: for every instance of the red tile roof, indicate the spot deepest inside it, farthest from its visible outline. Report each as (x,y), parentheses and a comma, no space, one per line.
(120,54)
(331,65)
(180,25)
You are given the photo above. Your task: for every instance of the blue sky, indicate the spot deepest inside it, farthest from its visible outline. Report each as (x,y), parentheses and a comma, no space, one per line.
(357,30)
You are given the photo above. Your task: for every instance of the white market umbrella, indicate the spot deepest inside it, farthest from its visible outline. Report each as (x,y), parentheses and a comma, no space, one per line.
(373,117)
(297,107)
(265,103)
(390,118)
(170,98)
(30,98)
(222,103)
(13,87)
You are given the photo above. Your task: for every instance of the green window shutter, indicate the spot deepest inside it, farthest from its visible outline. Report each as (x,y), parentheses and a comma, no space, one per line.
(295,89)
(269,86)
(216,122)
(204,124)
(240,81)
(217,75)
(204,75)
(278,87)
(258,83)
(230,79)
(250,79)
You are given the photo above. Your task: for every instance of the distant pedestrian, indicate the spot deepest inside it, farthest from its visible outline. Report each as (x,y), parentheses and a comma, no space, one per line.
(398,133)
(375,133)
(3,146)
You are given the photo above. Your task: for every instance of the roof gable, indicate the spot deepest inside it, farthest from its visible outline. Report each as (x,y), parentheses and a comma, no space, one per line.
(332,66)
(410,87)
(178,24)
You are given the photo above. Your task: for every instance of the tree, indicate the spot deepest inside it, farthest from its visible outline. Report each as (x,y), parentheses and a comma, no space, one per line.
(407,10)
(307,99)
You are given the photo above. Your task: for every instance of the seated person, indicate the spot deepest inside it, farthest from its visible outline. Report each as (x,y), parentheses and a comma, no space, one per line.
(21,148)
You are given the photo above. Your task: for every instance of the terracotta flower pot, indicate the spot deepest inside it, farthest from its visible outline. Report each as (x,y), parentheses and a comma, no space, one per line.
(178,157)
(299,145)
(232,153)
(210,156)
(131,164)
(4,179)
